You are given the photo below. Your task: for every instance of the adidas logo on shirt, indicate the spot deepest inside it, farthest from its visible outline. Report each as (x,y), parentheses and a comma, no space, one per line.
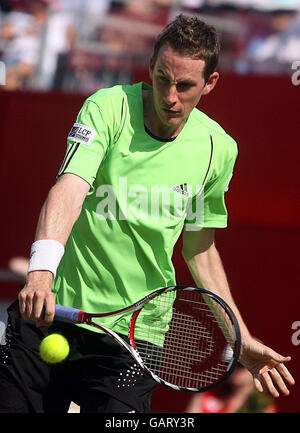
(182,189)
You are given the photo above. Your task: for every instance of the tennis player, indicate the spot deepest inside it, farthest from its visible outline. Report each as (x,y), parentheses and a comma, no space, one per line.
(142,165)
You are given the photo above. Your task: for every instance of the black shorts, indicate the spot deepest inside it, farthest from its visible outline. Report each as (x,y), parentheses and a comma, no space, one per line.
(98,375)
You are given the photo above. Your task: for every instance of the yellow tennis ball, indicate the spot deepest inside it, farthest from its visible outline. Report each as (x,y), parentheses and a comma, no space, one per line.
(54,348)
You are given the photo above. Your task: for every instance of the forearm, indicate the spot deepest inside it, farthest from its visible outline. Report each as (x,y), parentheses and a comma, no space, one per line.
(208,272)
(58,215)
(56,220)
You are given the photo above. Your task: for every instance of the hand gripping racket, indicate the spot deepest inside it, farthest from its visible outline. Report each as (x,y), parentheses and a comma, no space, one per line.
(186,338)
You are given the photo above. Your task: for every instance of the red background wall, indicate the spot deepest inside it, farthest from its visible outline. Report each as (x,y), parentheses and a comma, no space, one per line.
(260,248)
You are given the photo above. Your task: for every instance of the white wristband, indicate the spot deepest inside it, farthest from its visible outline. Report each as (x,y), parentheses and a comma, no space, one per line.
(45,255)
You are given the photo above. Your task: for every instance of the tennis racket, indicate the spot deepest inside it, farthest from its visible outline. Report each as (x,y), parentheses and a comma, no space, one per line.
(185,337)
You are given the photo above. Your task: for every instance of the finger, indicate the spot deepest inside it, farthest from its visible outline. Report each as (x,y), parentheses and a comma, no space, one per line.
(279,358)
(258,385)
(38,305)
(48,311)
(286,374)
(21,298)
(279,381)
(284,359)
(40,323)
(269,384)
(28,306)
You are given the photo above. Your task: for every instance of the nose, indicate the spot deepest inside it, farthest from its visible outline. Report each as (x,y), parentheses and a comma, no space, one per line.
(171,95)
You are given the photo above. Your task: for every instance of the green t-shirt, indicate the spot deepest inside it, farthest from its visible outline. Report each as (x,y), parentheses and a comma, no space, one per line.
(143,192)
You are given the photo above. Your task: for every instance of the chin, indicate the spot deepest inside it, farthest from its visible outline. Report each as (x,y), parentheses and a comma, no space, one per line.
(173,120)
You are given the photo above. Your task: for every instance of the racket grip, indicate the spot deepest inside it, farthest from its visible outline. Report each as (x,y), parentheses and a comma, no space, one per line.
(67,313)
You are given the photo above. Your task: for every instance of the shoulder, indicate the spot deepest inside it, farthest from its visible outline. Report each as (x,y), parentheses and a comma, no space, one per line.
(114,95)
(221,140)
(115,104)
(112,105)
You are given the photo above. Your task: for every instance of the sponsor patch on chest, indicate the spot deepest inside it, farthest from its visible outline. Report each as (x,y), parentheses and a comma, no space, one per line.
(81,134)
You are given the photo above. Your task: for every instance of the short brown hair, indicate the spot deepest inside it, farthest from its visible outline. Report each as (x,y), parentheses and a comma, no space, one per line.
(192,37)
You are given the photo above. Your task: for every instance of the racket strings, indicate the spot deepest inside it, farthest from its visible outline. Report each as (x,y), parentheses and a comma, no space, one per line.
(185,341)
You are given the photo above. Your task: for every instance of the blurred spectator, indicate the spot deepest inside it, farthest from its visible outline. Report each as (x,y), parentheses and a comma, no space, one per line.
(275,51)
(32,41)
(140,25)
(58,37)
(20,36)
(113,47)
(236,394)
(82,45)
(19,265)
(82,11)
(130,37)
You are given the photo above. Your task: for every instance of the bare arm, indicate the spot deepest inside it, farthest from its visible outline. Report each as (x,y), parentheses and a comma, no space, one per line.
(62,208)
(58,215)
(203,260)
(205,265)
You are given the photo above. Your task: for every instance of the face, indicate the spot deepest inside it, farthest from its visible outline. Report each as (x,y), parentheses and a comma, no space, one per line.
(178,84)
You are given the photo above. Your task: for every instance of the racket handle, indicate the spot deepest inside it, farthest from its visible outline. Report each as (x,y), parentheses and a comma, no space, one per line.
(67,313)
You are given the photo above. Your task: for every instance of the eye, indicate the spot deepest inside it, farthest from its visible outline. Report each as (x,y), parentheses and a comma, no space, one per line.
(163,79)
(182,87)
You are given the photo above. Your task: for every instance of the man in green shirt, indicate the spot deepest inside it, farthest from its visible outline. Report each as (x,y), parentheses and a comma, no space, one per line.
(136,203)
(142,166)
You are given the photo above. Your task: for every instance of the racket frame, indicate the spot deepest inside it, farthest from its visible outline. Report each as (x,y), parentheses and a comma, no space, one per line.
(80,317)
(236,349)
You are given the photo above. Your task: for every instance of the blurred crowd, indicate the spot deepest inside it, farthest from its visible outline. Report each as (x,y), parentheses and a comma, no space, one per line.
(83,45)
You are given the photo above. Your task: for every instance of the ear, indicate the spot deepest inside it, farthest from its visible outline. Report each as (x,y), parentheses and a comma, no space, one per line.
(211,82)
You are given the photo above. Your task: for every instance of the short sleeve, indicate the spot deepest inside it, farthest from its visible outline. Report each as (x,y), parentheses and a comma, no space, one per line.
(207,208)
(87,143)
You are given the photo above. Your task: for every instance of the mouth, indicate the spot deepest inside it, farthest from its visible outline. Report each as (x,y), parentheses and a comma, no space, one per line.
(168,111)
